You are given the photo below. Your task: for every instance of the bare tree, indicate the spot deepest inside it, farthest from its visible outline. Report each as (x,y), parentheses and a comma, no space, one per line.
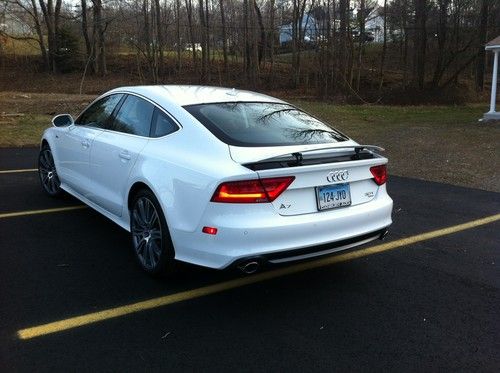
(481,53)
(441,36)
(224,36)
(99,38)
(384,49)
(420,42)
(189,10)
(51,14)
(204,43)
(89,48)
(178,33)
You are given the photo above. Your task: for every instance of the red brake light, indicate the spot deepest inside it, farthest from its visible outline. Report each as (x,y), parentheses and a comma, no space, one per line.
(379,174)
(252,191)
(209,230)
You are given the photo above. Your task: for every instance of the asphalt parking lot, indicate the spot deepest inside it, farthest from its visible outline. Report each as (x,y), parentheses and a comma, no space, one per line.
(72,298)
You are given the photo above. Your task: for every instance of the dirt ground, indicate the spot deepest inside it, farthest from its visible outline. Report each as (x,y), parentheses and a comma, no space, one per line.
(28,103)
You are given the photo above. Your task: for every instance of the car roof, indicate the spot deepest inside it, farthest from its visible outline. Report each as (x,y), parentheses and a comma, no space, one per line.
(183,95)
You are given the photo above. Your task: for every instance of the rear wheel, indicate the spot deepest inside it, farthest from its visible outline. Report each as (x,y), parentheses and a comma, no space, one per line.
(150,236)
(47,172)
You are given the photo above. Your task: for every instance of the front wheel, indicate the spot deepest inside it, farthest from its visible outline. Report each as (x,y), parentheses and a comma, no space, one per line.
(150,236)
(47,172)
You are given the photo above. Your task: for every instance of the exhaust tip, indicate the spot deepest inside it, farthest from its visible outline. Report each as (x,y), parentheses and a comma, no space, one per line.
(249,267)
(384,234)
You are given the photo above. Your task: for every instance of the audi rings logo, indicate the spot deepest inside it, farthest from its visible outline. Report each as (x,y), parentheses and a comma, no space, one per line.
(340,175)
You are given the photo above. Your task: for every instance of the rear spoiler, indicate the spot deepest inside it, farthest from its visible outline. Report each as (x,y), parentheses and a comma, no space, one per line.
(296,158)
(298,155)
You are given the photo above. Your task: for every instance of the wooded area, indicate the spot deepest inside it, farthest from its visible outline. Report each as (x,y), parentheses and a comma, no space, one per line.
(362,49)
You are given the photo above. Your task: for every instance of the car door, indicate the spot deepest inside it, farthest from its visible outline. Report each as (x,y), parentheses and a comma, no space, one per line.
(116,150)
(76,141)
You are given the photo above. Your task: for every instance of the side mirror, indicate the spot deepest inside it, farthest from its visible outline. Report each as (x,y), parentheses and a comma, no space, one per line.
(62,120)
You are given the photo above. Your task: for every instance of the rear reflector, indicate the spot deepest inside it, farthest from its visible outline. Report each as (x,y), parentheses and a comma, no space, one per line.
(252,191)
(209,230)
(379,174)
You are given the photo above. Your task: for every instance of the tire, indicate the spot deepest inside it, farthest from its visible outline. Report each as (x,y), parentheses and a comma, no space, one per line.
(47,172)
(151,240)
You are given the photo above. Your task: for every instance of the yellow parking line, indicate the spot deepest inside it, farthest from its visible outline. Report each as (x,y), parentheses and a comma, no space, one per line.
(18,171)
(94,317)
(36,212)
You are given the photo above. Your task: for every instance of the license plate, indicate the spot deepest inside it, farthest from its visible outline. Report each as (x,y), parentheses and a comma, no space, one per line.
(333,196)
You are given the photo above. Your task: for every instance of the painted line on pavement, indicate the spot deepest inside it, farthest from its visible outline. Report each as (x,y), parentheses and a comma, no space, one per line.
(112,313)
(18,171)
(44,211)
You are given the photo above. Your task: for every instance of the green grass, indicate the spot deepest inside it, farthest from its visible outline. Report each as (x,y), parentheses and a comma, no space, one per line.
(22,131)
(373,116)
(438,143)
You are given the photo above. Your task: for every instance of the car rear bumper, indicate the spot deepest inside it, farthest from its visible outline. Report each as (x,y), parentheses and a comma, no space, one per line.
(260,232)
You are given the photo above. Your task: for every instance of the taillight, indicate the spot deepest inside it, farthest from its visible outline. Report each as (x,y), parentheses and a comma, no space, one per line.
(252,191)
(379,174)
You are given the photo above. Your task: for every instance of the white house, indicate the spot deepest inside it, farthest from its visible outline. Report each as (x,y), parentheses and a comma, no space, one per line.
(309,27)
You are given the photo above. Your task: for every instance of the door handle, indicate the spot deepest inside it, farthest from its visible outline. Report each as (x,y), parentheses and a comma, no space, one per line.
(85,144)
(125,155)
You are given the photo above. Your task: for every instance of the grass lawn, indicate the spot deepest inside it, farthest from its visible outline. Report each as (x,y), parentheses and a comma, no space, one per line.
(439,143)
(22,131)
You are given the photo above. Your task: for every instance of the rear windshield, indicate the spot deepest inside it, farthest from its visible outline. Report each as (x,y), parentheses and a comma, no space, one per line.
(263,124)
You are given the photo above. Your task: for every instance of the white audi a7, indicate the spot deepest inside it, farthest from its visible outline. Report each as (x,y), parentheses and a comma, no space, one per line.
(217,177)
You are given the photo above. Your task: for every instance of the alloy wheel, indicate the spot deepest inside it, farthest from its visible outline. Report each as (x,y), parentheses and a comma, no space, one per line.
(47,171)
(146,233)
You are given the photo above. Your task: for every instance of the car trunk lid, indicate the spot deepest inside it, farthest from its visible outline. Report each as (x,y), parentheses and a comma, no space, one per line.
(326,178)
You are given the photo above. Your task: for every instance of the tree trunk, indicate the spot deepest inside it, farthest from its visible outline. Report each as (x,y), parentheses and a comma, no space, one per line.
(159,37)
(384,49)
(51,18)
(246,41)
(481,53)
(189,10)
(99,28)
(207,40)
(178,33)
(254,56)
(442,28)
(342,48)
(404,19)
(272,35)
(39,33)
(361,23)
(262,41)
(420,42)
(85,32)
(201,10)
(295,41)
(224,36)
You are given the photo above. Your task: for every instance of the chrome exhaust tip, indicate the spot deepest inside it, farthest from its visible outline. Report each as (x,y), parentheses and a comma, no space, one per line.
(249,267)
(384,234)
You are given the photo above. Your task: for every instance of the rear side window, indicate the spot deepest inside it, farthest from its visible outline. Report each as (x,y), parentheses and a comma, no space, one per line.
(263,124)
(134,117)
(98,114)
(162,124)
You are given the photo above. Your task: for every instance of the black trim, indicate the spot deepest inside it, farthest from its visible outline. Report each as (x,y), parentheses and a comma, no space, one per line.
(108,125)
(325,247)
(265,259)
(292,161)
(153,122)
